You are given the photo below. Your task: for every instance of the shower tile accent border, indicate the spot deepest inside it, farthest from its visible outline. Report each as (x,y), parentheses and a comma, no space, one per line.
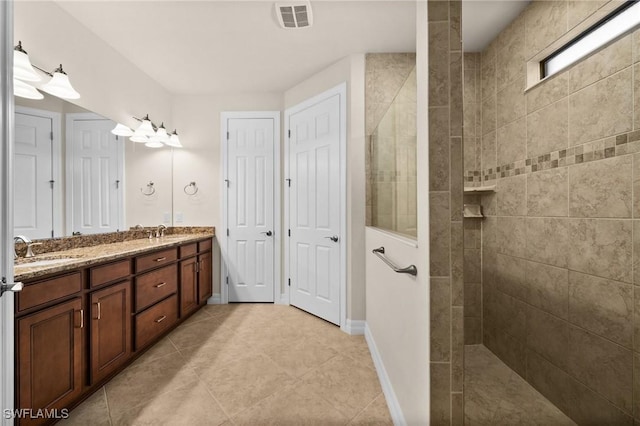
(615,146)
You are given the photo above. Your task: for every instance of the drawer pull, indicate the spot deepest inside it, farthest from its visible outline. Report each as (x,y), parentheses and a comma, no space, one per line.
(162,318)
(81,318)
(160,285)
(160,259)
(99,311)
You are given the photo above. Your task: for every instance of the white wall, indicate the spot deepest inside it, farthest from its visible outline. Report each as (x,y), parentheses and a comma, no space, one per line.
(350,69)
(397,304)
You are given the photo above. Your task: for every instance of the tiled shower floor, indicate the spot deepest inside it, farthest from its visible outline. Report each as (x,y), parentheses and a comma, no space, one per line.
(497,396)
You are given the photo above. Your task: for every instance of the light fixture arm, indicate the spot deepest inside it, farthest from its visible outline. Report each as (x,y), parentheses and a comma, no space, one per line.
(43,71)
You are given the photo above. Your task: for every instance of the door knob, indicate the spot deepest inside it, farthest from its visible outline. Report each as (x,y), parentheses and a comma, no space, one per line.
(334,238)
(267,233)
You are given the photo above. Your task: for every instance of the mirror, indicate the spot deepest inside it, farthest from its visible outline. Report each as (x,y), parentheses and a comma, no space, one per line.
(69,172)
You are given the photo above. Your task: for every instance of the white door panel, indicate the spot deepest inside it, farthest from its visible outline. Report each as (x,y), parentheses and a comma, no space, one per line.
(250,207)
(96,177)
(33,174)
(314,209)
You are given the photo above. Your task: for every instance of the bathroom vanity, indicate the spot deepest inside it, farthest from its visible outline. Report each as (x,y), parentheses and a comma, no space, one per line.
(86,313)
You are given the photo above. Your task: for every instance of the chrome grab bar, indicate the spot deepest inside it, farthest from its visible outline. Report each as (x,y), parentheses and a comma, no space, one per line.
(411,269)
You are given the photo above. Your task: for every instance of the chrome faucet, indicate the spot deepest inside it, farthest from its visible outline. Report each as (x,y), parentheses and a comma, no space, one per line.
(160,230)
(25,240)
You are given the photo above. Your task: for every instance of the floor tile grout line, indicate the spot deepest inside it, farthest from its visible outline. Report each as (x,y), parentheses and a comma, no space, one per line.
(106,401)
(366,407)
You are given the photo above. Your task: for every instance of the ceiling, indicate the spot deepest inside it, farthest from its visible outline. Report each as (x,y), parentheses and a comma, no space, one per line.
(482,20)
(209,46)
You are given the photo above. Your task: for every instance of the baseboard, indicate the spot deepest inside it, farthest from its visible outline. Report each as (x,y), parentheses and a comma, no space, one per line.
(216,299)
(281,300)
(354,327)
(389,395)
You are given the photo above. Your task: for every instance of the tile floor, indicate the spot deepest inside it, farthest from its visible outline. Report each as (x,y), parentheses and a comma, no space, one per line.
(496,396)
(244,364)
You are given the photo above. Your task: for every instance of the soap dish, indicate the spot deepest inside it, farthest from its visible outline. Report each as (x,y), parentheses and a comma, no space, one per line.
(473,211)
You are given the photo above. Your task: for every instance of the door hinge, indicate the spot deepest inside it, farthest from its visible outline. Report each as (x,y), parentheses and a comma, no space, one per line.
(52,233)
(227,135)
(227,280)
(227,232)
(51,136)
(289,282)
(51,182)
(289,232)
(289,133)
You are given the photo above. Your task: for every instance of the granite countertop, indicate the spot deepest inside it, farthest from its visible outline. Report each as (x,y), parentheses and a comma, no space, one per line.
(66,260)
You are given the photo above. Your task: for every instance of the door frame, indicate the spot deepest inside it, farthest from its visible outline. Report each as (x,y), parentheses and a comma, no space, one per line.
(56,164)
(70,118)
(277,208)
(341,90)
(7,120)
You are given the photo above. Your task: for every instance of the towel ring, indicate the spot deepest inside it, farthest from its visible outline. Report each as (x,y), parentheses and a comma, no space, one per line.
(192,191)
(150,189)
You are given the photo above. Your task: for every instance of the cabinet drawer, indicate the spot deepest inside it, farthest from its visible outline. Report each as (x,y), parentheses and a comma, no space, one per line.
(204,245)
(188,250)
(155,285)
(110,272)
(45,291)
(158,258)
(155,320)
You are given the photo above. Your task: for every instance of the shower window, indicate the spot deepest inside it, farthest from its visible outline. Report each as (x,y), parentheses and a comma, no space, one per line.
(391,186)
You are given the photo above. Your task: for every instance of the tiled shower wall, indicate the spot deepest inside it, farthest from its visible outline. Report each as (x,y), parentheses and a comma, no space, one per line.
(561,243)
(472,162)
(445,212)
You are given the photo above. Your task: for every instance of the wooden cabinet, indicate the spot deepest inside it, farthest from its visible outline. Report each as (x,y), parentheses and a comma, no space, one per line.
(153,260)
(155,286)
(154,321)
(76,329)
(188,286)
(49,357)
(110,329)
(205,275)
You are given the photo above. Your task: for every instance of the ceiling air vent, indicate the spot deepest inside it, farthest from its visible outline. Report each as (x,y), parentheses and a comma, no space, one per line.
(294,14)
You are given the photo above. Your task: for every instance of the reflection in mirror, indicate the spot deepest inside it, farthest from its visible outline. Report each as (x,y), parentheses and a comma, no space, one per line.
(391,154)
(68,171)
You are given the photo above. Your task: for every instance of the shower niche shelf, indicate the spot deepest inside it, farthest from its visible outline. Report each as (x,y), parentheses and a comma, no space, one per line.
(472,211)
(480,190)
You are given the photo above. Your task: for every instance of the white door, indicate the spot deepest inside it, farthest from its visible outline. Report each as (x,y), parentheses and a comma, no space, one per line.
(315,208)
(33,176)
(95,194)
(250,209)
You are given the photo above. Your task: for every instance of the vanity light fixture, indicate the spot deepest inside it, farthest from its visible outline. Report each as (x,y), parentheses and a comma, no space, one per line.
(122,130)
(174,141)
(161,135)
(154,144)
(24,70)
(59,85)
(146,127)
(156,138)
(24,90)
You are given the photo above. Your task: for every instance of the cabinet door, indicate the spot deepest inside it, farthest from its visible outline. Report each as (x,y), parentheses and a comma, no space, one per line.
(49,358)
(204,277)
(188,286)
(110,329)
